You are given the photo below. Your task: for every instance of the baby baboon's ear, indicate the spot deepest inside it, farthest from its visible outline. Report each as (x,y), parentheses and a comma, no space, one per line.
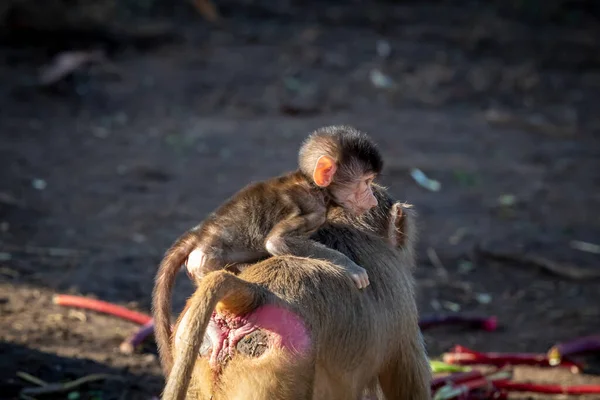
(324,171)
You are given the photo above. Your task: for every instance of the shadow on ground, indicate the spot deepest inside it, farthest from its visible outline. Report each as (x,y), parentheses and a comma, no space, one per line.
(116,383)
(101,172)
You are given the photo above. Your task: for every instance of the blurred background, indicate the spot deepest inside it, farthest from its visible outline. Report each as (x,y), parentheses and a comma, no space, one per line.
(123,123)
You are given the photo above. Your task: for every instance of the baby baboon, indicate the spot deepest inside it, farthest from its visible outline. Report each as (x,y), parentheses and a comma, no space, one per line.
(277,217)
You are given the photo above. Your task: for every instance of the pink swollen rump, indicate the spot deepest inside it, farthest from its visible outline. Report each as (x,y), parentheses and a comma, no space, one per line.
(284,329)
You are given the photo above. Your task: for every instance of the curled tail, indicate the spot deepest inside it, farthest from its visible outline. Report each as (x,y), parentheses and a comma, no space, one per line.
(219,288)
(161,295)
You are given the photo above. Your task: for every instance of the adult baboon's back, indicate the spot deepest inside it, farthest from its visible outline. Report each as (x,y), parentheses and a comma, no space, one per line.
(357,338)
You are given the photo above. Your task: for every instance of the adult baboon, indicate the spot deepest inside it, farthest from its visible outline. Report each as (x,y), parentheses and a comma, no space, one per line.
(298,328)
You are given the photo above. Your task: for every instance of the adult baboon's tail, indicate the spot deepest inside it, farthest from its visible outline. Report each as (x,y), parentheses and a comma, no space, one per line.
(220,287)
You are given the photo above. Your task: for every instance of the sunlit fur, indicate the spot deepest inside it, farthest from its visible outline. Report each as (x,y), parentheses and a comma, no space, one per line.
(354,152)
(273,217)
(363,341)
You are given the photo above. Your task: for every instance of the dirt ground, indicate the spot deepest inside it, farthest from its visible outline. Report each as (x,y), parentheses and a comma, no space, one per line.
(115,161)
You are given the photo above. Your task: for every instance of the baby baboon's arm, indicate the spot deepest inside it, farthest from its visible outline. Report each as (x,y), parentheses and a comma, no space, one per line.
(291,236)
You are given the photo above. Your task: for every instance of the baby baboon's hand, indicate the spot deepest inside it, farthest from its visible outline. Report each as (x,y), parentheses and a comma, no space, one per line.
(359,276)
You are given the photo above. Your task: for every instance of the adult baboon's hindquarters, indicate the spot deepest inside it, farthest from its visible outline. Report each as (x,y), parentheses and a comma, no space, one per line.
(346,341)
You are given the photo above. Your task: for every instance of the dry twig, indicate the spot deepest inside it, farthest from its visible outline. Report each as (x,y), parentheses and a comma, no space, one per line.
(568,271)
(68,386)
(207,9)
(44,251)
(437,263)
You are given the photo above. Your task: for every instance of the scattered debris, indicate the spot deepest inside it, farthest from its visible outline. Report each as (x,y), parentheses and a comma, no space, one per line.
(39,184)
(532,123)
(585,246)
(475,385)
(128,346)
(563,270)
(384,49)
(101,307)
(77,315)
(9,272)
(65,63)
(7,198)
(465,356)
(465,178)
(586,344)
(31,379)
(447,387)
(437,263)
(423,181)
(48,388)
(441,367)
(484,382)
(450,305)
(507,200)
(208,10)
(456,378)
(458,236)
(465,267)
(547,388)
(44,251)
(381,80)
(483,298)
(435,304)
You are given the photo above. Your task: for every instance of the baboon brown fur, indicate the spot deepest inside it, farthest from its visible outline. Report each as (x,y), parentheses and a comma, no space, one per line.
(274,217)
(360,340)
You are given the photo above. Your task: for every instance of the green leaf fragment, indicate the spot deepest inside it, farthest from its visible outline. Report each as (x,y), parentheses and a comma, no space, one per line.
(507,200)
(438,367)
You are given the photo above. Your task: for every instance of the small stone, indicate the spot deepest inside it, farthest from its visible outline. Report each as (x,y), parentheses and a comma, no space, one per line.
(452,306)
(380,80)
(73,396)
(464,267)
(39,184)
(507,200)
(483,298)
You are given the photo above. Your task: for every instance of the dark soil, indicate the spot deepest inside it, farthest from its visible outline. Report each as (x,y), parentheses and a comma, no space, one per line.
(117,160)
